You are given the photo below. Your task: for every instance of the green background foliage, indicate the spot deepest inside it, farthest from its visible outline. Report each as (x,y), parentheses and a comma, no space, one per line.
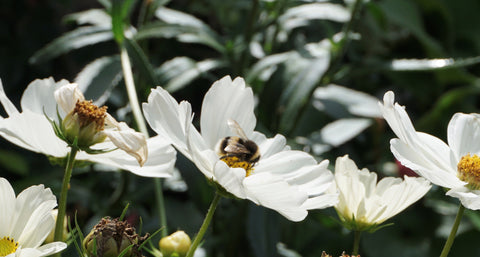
(285,53)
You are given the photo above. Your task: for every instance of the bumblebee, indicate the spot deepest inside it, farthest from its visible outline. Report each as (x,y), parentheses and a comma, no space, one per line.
(238,151)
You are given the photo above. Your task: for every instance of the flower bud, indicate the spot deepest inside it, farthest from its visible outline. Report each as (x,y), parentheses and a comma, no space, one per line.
(177,243)
(110,237)
(50,236)
(85,122)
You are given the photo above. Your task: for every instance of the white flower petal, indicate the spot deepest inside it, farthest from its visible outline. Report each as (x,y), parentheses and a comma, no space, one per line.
(351,190)
(423,153)
(205,159)
(38,226)
(398,195)
(320,202)
(51,248)
(424,167)
(28,252)
(33,219)
(269,146)
(67,97)
(168,118)
(9,107)
(464,134)
(284,163)
(230,179)
(7,200)
(469,198)
(225,100)
(128,140)
(314,180)
(39,138)
(38,97)
(272,192)
(160,162)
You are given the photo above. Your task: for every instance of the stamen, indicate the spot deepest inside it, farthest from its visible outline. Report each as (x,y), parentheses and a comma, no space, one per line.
(235,162)
(469,171)
(88,112)
(7,246)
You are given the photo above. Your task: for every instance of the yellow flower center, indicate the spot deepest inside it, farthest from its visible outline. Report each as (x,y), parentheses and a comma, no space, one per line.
(235,162)
(469,171)
(7,246)
(88,113)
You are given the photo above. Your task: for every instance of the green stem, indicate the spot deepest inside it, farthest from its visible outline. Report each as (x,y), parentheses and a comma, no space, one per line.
(131,91)
(142,126)
(160,206)
(451,237)
(62,204)
(356,242)
(205,225)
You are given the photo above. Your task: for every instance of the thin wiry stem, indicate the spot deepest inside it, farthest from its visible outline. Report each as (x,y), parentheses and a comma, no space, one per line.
(62,204)
(137,114)
(204,227)
(131,91)
(451,237)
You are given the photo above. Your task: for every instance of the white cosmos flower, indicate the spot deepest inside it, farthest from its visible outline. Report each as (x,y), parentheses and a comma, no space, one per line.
(363,204)
(31,130)
(455,166)
(26,220)
(290,182)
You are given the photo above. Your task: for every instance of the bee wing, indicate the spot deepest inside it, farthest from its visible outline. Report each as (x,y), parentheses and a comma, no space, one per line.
(235,127)
(236,148)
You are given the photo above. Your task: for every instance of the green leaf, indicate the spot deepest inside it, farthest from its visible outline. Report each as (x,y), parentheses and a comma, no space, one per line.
(302,14)
(185,27)
(183,33)
(78,38)
(284,251)
(98,78)
(120,12)
(180,71)
(431,64)
(96,17)
(140,61)
(106,4)
(304,75)
(265,64)
(124,212)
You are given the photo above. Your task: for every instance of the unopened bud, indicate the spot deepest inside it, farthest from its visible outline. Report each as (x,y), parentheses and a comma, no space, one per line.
(110,238)
(177,243)
(85,122)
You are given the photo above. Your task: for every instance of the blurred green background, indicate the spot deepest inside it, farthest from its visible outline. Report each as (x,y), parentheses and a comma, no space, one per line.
(290,53)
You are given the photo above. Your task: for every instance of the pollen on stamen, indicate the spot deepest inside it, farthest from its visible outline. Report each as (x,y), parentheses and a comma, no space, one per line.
(235,162)
(89,113)
(7,246)
(469,171)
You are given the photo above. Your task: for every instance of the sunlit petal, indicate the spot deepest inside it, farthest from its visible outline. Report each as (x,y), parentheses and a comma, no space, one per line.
(464,134)
(226,100)
(364,204)
(67,96)
(28,220)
